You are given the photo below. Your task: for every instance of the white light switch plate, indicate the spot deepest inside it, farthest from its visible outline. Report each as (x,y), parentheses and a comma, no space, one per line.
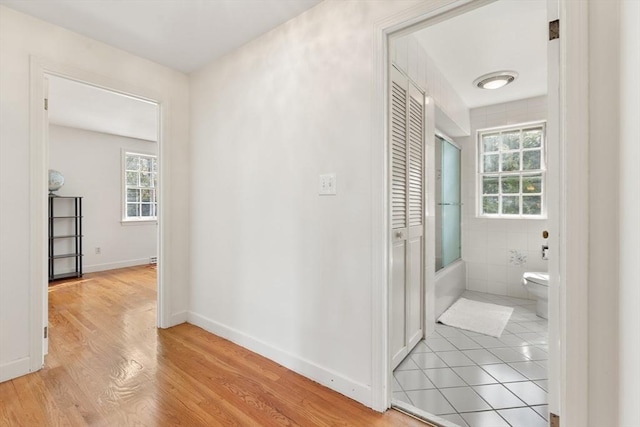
(327,184)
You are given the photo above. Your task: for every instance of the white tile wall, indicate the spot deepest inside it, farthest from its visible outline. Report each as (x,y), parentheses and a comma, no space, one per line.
(486,243)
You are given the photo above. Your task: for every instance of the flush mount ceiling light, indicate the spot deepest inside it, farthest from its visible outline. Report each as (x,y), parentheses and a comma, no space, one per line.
(495,80)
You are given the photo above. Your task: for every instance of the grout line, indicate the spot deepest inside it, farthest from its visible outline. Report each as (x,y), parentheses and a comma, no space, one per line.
(522,318)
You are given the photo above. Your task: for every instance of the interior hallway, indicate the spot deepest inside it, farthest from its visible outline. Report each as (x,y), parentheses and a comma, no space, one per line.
(109,365)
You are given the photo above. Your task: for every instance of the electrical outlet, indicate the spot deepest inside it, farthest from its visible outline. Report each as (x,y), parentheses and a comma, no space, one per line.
(98,251)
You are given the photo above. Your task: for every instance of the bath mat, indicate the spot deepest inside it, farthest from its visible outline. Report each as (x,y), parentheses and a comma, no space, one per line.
(481,317)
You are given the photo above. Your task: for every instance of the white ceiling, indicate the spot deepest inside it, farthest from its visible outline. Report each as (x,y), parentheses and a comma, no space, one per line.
(181,34)
(504,35)
(87,107)
(187,34)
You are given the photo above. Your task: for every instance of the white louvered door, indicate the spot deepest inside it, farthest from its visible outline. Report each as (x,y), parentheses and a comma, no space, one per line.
(406,136)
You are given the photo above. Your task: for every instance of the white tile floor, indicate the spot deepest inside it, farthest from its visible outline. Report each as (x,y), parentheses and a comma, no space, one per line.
(475,380)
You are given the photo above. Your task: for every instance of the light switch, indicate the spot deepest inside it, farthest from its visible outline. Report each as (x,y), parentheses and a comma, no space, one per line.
(327,184)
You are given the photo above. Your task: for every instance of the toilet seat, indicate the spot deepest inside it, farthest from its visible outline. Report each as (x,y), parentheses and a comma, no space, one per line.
(538,278)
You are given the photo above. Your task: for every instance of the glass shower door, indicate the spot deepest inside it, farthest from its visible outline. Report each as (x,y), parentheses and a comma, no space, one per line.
(450,204)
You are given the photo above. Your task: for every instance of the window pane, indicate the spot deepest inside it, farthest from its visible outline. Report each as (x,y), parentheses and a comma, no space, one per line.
(511,184)
(132,163)
(490,205)
(532,138)
(510,205)
(490,142)
(145,164)
(133,195)
(145,179)
(531,160)
(532,184)
(531,205)
(511,140)
(491,163)
(132,209)
(132,178)
(490,185)
(510,162)
(146,195)
(154,164)
(154,182)
(146,210)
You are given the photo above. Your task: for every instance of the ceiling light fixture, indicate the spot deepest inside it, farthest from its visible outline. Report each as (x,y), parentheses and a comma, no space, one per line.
(495,80)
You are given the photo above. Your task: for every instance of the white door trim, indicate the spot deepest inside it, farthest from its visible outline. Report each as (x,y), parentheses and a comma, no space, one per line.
(39,155)
(573,220)
(573,238)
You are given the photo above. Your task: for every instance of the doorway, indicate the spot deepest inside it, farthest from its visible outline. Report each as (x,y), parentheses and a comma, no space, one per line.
(40,148)
(105,145)
(497,276)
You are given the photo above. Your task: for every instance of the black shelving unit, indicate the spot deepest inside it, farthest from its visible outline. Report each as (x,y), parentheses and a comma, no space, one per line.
(65,235)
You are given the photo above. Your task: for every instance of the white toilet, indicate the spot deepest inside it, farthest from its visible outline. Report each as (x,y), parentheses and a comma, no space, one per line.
(538,284)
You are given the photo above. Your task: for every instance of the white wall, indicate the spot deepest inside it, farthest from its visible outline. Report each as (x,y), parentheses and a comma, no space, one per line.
(487,242)
(91,163)
(410,56)
(20,37)
(629,317)
(276,267)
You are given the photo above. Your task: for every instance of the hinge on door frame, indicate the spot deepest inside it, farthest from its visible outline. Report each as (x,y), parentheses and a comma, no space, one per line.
(46,331)
(554,30)
(46,104)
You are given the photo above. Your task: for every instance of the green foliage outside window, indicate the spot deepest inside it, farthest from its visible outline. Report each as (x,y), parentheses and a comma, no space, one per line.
(512,171)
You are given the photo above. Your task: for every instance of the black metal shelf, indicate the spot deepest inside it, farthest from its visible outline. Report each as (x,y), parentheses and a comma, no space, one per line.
(65,276)
(71,212)
(66,256)
(64,237)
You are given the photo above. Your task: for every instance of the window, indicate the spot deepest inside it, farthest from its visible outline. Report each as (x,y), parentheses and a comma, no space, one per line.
(141,182)
(512,171)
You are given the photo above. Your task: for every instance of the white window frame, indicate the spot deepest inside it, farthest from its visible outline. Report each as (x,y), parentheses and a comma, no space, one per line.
(480,171)
(127,220)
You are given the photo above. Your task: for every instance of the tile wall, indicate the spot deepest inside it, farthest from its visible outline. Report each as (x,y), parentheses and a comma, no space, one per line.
(487,243)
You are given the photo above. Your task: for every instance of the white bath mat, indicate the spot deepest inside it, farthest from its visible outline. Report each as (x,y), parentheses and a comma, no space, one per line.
(481,317)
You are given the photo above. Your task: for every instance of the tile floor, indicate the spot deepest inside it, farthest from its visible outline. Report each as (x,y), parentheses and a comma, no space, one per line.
(475,380)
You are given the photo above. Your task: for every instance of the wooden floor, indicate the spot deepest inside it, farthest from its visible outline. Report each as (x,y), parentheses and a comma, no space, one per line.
(108,365)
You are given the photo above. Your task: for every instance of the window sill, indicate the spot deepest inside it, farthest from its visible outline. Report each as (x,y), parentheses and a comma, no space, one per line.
(127,222)
(535,218)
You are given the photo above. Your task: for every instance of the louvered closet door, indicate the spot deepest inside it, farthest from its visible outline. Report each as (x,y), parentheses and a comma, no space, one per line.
(407,214)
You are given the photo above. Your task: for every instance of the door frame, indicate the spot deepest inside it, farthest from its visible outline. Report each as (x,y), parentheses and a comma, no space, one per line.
(39,164)
(570,342)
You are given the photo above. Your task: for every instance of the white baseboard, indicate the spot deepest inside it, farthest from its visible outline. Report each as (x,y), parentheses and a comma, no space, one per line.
(14,369)
(328,378)
(178,318)
(114,265)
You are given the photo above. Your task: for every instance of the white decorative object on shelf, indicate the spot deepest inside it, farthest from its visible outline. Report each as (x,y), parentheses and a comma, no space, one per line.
(56,180)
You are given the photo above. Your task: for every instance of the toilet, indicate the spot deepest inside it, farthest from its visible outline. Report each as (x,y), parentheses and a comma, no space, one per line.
(537,283)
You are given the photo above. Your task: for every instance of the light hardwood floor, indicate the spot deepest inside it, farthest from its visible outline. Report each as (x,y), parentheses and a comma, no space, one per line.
(108,365)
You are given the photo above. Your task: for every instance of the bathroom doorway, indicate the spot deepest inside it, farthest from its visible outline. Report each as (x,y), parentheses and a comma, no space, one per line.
(456,375)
